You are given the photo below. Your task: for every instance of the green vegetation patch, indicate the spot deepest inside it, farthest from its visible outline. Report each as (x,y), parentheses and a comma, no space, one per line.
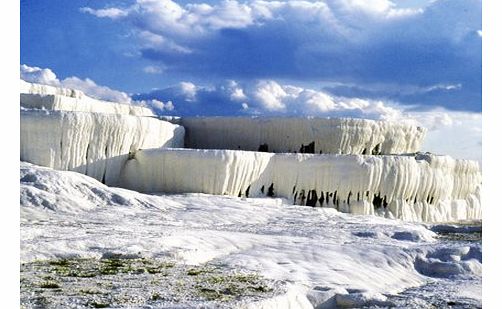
(49,285)
(123,282)
(225,287)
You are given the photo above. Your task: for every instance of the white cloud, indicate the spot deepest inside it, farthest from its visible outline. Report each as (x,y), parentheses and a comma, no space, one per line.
(348,40)
(169,106)
(270,95)
(38,75)
(112,13)
(184,22)
(289,99)
(158,106)
(238,95)
(88,86)
(434,119)
(171,19)
(442,87)
(189,90)
(235,91)
(460,137)
(377,8)
(167,17)
(150,39)
(153,69)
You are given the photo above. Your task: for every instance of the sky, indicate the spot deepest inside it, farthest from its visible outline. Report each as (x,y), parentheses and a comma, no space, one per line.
(402,60)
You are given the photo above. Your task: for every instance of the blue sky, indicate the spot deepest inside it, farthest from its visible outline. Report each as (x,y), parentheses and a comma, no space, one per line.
(376,59)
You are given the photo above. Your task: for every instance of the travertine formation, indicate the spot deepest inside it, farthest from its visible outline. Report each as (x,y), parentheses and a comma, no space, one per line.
(302,135)
(356,166)
(410,187)
(64,99)
(66,130)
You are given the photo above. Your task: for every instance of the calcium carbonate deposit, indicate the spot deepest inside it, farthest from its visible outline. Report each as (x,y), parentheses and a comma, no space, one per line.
(302,135)
(410,187)
(64,99)
(157,225)
(94,144)
(348,166)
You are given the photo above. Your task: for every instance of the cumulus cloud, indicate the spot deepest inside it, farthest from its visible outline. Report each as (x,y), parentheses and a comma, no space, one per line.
(189,90)
(38,75)
(112,13)
(158,107)
(90,88)
(47,77)
(272,97)
(360,41)
(269,97)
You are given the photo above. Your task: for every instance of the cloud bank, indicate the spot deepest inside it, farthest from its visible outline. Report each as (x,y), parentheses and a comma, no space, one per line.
(47,77)
(89,87)
(363,42)
(267,97)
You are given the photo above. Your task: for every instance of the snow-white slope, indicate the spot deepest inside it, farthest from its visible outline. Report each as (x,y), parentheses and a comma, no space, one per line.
(338,135)
(415,187)
(94,144)
(328,257)
(64,99)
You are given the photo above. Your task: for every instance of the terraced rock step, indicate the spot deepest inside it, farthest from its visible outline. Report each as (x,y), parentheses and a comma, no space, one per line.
(418,187)
(302,135)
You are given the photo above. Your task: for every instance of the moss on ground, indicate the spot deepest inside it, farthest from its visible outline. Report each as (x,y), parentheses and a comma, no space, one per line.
(100,283)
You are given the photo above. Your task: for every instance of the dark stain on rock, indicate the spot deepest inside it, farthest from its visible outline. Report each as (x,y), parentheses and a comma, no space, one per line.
(270,191)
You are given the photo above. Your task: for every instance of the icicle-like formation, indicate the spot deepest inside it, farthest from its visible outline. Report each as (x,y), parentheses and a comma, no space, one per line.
(187,170)
(91,143)
(64,99)
(302,135)
(414,188)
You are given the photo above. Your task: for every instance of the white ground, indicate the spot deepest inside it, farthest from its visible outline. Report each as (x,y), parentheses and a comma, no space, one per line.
(322,255)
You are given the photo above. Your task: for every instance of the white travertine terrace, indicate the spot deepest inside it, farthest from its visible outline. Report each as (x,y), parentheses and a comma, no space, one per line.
(91,143)
(366,166)
(302,135)
(414,188)
(56,98)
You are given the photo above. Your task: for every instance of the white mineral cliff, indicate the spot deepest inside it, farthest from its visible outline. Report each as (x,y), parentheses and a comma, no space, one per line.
(57,98)
(91,143)
(302,135)
(414,188)
(363,168)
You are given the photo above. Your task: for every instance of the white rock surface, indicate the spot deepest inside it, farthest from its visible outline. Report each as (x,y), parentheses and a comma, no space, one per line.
(67,215)
(91,143)
(413,188)
(64,99)
(338,135)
